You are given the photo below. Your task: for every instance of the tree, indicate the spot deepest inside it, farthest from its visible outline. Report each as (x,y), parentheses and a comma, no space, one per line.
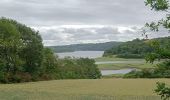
(32,51)
(21,50)
(49,65)
(160,5)
(159,52)
(10,46)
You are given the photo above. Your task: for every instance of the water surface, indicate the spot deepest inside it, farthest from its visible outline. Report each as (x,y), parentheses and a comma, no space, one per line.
(96,54)
(82,54)
(121,71)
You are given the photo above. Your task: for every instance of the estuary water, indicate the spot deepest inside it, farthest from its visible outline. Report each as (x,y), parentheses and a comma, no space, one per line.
(82,54)
(121,71)
(96,54)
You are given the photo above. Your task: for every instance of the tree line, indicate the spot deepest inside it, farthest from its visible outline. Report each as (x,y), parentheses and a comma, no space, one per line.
(23,57)
(85,47)
(137,48)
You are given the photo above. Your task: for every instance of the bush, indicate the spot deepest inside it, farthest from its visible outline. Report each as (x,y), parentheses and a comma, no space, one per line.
(144,73)
(161,71)
(163,91)
(78,68)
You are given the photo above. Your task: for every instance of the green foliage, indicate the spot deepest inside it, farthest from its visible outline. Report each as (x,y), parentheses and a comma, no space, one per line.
(141,48)
(144,73)
(30,48)
(160,52)
(158,4)
(163,91)
(10,46)
(151,57)
(78,68)
(23,57)
(162,70)
(49,65)
(130,49)
(126,55)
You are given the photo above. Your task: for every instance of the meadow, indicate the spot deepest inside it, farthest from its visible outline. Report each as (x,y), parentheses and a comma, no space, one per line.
(125,66)
(121,63)
(99,89)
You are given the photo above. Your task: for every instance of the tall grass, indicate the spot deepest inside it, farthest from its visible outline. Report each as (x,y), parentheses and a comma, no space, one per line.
(99,89)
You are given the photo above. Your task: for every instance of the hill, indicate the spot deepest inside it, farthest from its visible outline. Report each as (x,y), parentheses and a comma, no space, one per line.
(85,47)
(136,48)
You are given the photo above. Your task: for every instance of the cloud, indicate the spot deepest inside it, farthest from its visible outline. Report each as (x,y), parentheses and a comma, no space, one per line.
(60,35)
(81,21)
(71,12)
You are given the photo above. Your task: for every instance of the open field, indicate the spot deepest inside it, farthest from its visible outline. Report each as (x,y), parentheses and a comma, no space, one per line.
(99,89)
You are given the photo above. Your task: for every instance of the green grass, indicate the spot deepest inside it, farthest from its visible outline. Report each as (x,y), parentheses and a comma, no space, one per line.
(115,59)
(125,65)
(99,89)
(128,63)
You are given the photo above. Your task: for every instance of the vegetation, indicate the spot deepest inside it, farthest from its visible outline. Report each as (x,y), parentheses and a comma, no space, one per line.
(20,52)
(162,70)
(23,57)
(136,48)
(122,63)
(85,47)
(160,52)
(126,65)
(112,76)
(78,68)
(99,89)
(163,90)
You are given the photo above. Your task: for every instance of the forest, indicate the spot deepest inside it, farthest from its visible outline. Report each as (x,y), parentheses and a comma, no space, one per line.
(137,48)
(85,47)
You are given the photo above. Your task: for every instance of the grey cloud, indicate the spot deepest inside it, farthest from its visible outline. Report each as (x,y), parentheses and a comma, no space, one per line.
(60,36)
(57,12)
(112,14)
(64,36)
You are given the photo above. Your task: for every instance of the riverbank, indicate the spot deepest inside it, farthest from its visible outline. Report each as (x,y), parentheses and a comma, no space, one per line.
(98,89)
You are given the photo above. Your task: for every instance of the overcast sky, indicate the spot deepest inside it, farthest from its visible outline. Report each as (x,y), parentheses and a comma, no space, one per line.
(63,22)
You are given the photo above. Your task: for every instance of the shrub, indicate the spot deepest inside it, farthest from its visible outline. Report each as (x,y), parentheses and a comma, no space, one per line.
(126,55)
(161,71)
(163,91)
(78,68)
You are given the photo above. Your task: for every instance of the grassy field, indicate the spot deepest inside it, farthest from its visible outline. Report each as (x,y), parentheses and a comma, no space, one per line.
(99,89)
(99,59)
(127,63)
(115,59)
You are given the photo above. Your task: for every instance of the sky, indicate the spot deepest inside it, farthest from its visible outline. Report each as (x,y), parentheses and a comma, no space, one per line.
(63,22)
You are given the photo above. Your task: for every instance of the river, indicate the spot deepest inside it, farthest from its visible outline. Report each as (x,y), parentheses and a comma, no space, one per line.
(96,54)
(82,54)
